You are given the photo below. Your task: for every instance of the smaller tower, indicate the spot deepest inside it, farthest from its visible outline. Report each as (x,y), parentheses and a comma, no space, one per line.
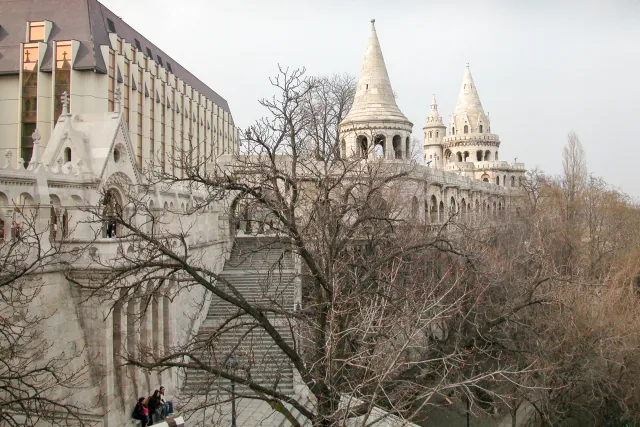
(434,131)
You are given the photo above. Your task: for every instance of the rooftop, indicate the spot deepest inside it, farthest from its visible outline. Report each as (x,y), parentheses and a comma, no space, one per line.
(88,22)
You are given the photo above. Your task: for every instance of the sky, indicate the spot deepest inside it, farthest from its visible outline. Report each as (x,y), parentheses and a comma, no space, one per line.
(542,67)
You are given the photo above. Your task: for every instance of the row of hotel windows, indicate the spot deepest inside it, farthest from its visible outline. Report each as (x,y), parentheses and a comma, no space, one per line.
(171,103)
(62,84)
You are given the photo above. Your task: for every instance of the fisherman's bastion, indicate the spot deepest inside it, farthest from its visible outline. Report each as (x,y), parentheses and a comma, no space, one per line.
(87,102)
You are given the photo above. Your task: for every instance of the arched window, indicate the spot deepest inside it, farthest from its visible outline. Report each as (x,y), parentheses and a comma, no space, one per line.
(459,155)
(480,128)
(487,156)
(67,154)
(437,134)
(497,180)
(513,181)
(479,155)
(430,134)
(441,212)
(504,180)
(363,146)
(496,156)
(397,147)
(453,131)
(466,129)
(378,147)
(466,155)
(112,211)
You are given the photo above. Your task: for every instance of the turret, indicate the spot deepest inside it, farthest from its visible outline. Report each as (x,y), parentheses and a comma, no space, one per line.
(470,138)
(375,127)
(434,132)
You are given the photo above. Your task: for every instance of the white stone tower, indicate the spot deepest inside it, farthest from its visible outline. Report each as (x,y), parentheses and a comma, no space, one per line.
(375,127)
(434,132)
(470,138)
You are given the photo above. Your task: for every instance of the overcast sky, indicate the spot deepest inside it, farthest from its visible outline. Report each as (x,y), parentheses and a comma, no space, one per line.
(542,67)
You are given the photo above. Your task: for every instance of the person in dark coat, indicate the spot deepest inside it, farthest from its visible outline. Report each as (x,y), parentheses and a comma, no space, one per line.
(155,406)
(141,412)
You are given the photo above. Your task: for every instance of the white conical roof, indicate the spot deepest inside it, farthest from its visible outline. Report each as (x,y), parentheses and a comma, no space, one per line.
(374,99)
(469,109)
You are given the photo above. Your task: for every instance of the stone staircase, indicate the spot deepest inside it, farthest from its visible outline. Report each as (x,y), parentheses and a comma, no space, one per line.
(263,271)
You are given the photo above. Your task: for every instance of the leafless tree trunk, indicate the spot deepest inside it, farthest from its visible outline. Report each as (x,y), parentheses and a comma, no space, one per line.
(35,381)
(387,316)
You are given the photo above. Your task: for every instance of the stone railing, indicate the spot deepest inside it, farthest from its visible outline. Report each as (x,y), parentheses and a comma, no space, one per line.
(489,137)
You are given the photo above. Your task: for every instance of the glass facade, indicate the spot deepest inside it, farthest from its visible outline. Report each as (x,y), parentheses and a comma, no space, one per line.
(29,99)
(112,79)
(62,77)
(139,133)
(152,120)
(127,79)
(163,148)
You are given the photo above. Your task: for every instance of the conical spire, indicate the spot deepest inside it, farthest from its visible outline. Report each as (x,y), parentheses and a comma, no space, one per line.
(374,99)
(469,116)
(468,100)
(434,107)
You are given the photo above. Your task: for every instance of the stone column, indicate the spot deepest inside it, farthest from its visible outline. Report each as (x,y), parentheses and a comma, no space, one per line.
(145,336)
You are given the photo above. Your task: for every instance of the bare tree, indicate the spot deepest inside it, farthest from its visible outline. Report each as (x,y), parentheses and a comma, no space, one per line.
(574,169)
(385,315)
(36,381)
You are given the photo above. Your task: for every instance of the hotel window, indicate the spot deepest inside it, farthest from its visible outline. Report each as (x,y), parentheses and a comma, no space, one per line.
(139,133)
(62,76)
(36,32)
(112,28)
(173,132)
(29,99)
(152,145)
(112,79)
(127,78)
(162,123)
(183,136)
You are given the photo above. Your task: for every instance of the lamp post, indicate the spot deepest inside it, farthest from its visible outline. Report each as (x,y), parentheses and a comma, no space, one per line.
(233,363)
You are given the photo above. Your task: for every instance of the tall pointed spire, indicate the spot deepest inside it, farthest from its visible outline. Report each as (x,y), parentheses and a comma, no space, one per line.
(434,108)
(468,100)
(374,99)
(469,111)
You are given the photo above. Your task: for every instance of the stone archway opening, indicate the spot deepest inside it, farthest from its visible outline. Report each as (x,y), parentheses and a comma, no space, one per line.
(379,147)
(363,146)
(397,147)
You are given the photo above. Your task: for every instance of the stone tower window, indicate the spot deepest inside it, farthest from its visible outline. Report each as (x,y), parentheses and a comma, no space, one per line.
(466,129)
(480,128)
(67,154)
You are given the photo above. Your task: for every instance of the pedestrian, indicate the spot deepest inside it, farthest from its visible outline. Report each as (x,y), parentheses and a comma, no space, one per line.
(141,412)
(155,407)
(167,405)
